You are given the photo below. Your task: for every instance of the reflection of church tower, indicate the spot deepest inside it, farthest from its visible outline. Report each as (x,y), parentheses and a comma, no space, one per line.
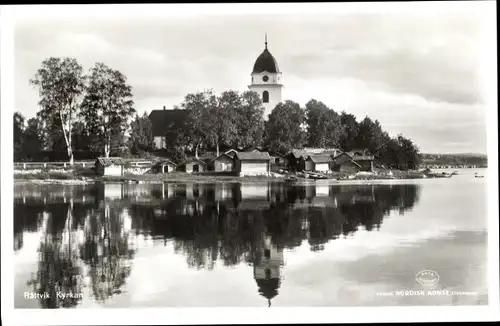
(267,81)
(267,265)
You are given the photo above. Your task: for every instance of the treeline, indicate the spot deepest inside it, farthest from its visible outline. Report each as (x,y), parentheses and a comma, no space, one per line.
(33,143)
(455,159)
(236,120)
(92,114)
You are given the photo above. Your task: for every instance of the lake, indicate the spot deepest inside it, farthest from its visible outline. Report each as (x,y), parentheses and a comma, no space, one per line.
(252,244)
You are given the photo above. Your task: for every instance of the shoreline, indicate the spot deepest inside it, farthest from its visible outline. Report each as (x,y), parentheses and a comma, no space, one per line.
(138,179)
(85,177)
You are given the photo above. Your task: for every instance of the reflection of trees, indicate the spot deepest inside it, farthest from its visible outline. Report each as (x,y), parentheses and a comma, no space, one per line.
(26,219)
(59,268)
(61,261)
(106,250)
(228,230)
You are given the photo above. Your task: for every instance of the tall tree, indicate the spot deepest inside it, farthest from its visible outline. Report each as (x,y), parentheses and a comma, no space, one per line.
(249,120)
(409,153)
(284,129)
(390,155)
(107,106)
(324,126)
(18,136)
(60,84)
(198,125)
(350,131)
(370,135)
(222,120)
(141,136)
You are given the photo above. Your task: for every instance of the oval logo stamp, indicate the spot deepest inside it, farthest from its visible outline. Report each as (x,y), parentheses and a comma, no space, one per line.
(427,277)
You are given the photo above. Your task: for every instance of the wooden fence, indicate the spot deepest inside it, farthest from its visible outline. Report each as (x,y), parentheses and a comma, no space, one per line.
(83,164)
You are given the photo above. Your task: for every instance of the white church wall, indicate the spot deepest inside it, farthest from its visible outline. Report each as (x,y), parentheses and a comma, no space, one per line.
(275,96)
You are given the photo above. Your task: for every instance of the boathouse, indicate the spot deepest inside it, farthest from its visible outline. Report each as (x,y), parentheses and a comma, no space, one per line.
(345,163)
(279,160)
(109,166)
(365,162)
(163,166)
(317,163)
(223,163)
(194,165)
(252,163)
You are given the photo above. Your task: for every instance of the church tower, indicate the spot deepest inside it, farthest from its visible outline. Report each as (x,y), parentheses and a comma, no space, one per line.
(267,80)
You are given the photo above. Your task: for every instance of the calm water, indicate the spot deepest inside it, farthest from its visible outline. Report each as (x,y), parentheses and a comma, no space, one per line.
(250,244)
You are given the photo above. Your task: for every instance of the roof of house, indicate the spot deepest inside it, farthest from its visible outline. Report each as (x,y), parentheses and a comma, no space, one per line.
(231,152)
(306,151)
(363,158)
(332,151)
(107,161)
(319,150)
(358,150)
(298,153)
(253,156)
(343,153)
(277,154)
(207,157)
(163,161)
(320,158)
(193,159)
(163,119)
(221,156)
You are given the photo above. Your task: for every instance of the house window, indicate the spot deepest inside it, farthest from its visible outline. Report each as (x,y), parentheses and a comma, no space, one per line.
(265,97)
(276,161)
(196,168)
(267,253)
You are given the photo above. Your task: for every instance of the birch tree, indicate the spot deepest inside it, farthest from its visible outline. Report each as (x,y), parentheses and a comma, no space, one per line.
(60,84)
(107,106)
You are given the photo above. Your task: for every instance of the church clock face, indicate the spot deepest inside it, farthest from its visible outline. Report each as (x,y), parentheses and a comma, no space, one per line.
(265,78)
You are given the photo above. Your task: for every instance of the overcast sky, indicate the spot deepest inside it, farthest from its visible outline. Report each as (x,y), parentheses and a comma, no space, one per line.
(417,73)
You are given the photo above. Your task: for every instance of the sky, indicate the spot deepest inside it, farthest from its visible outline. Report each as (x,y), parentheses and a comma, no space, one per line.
(417,72)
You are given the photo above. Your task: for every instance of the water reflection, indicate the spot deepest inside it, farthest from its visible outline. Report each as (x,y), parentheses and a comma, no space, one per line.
(89,235)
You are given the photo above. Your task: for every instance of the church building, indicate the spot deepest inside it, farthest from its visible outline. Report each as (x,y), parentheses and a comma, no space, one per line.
(267,81)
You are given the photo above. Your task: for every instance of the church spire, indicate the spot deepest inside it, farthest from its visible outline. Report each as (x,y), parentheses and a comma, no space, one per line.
(266,41)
